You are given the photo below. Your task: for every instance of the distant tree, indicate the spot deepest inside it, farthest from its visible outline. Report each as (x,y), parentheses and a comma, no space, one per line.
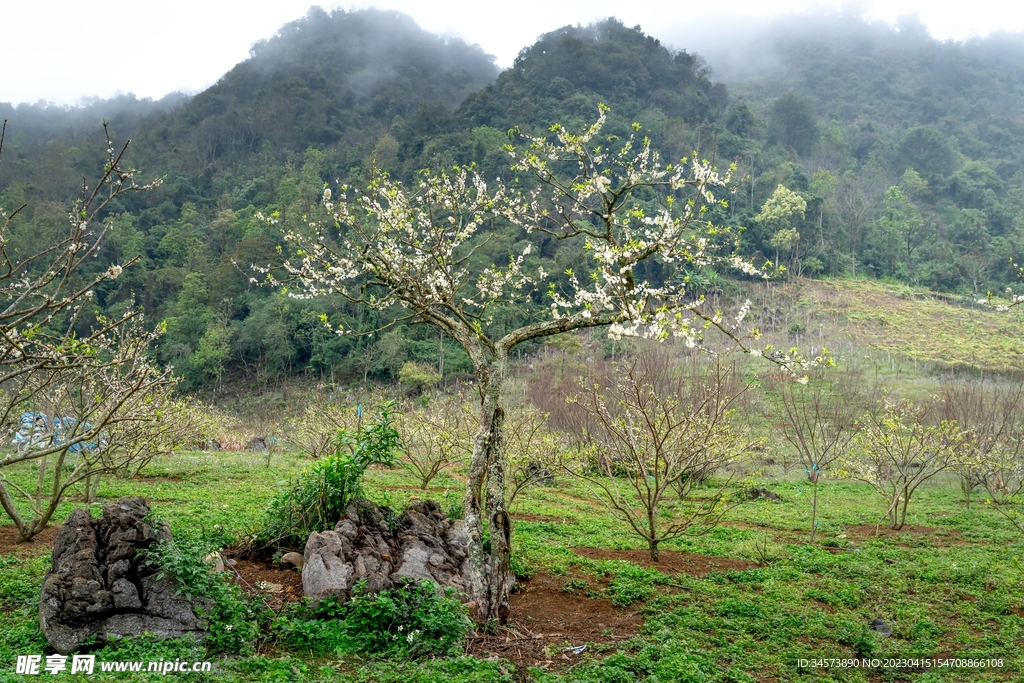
(740,120)
(794,124)
(778,213)
(822,190)
(902,230)
(213,352)
(927,151)
(415,250)
(417,376)
(857,199)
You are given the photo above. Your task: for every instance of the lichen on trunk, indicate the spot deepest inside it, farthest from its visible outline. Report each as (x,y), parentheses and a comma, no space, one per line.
(490,574)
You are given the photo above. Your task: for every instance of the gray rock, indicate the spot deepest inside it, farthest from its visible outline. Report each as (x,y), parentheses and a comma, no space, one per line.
(126,595)
(99,585)
(756,493)
(538,474)
(414,562)
(424,546)
(292,560)
(881,627)
(325,573)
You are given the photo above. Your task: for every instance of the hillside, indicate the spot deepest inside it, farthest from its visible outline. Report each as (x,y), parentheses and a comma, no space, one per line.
(905,149)
(326,79)
(912,324)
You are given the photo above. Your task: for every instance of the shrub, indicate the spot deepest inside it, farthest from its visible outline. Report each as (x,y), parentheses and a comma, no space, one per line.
(409,621)
(319,497)
(418,376)
(235,622)
(899,449)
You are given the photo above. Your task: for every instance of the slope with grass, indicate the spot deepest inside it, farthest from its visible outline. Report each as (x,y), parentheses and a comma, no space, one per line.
(915,324)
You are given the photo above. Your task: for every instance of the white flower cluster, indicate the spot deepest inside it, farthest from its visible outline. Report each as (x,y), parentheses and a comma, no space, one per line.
(416,248)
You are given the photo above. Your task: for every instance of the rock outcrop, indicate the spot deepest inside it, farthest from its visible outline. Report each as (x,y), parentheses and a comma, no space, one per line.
(98,583)
(424,544)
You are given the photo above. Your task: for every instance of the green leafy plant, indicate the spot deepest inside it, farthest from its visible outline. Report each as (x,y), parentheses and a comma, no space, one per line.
(409,621)
(761,550)
(234,622)
(319,497)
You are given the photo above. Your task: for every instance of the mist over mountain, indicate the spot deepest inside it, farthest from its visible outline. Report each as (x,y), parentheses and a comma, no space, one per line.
(42,121)
(870,75)
(326,79)
(568,71)
(908,152)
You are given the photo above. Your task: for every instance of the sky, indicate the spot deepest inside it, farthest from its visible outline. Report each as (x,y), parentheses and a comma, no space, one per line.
(61,51)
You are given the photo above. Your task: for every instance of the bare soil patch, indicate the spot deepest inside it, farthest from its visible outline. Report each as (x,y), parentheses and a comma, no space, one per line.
(42,543)
(669,561)
(581,503)
(274,585)
(545,621)
(825,607)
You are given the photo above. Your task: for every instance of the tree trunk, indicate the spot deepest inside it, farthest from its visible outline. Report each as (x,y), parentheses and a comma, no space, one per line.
(41,482)
(490,576)
(814,508)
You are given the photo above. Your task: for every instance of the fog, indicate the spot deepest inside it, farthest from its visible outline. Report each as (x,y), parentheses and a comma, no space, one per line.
(63,50)
(742,50)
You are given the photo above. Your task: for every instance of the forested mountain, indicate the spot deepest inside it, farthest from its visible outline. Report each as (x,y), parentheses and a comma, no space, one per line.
(906,150)
(909,149)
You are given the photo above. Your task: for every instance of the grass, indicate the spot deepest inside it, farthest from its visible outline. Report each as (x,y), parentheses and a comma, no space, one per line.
(950,592)
(916,324)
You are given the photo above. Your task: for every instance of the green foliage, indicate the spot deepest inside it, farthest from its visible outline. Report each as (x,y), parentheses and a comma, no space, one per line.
(19,601)
(794,124)
(630,583)
(418,376)
(235,622)
(409,621)
(318,498)
(861,639)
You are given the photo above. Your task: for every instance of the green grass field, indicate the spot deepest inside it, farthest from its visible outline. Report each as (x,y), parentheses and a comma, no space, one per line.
(948,586)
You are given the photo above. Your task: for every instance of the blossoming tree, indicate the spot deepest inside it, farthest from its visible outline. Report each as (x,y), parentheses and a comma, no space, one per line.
(415,248)
(78,404)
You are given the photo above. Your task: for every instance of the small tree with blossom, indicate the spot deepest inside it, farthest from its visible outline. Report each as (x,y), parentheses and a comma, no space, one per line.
(899,447)
(102,396)
(414,248)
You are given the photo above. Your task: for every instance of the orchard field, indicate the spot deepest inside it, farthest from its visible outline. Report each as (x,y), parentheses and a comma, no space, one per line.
(745,601)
